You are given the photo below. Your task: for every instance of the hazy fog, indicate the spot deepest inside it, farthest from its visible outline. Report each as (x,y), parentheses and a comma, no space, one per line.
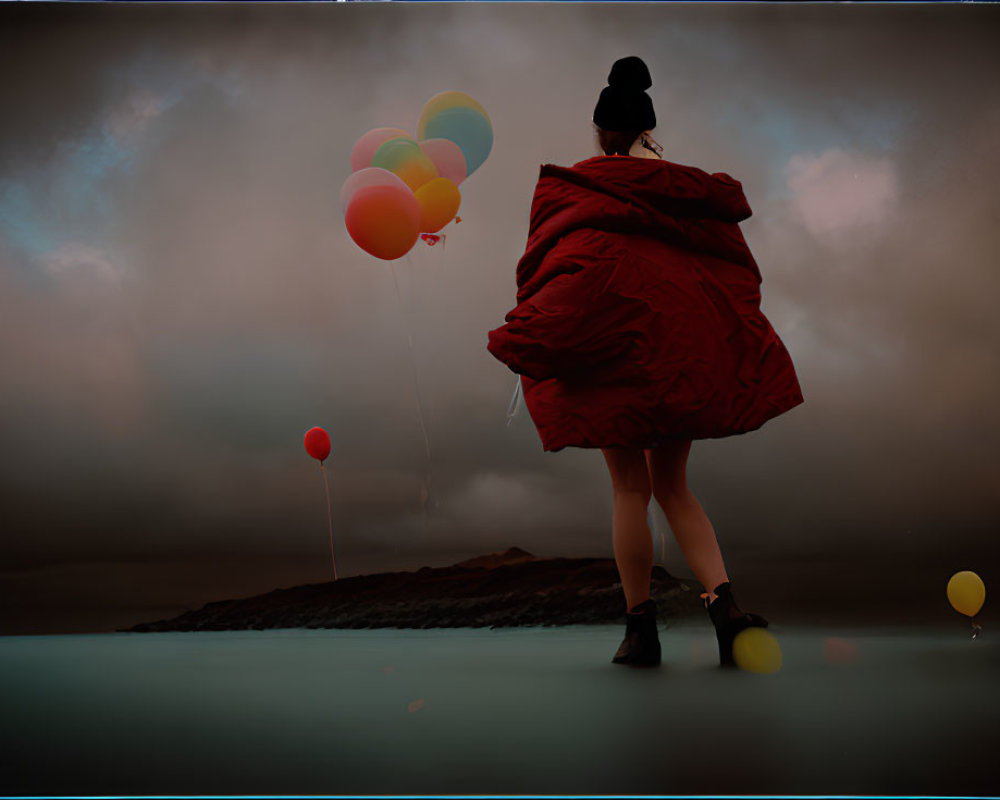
(180,301)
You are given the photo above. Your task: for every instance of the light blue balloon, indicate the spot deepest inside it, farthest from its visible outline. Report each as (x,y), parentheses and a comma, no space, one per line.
(467,128)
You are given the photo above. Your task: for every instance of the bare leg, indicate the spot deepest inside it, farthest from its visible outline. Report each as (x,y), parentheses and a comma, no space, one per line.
(633,543)
(688,521)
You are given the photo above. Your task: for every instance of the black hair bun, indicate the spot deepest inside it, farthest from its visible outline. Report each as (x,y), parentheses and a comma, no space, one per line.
(624,104)
(630,73)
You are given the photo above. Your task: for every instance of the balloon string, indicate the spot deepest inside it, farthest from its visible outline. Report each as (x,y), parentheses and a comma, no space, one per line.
(651,521)
(329,515)
(512,408)
(416,392)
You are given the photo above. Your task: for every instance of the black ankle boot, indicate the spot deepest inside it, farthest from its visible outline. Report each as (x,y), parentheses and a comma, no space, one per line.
(729,620)
(641,645)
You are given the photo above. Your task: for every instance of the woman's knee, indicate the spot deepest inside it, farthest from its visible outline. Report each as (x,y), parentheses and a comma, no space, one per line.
(672,497)
(629,473)
(637,495)
(668,473)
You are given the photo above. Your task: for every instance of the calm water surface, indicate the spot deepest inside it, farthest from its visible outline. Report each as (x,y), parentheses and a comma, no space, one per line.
(507,711)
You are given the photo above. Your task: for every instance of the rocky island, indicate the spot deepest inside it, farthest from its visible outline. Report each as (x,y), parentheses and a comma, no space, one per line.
(505,589)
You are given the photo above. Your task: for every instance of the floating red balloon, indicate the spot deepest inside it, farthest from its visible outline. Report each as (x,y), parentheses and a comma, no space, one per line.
(317,443)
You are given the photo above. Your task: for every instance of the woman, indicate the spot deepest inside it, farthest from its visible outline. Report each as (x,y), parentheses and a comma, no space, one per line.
(638,329)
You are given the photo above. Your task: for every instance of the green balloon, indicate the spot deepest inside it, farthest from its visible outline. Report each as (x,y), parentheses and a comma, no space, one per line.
(393,154)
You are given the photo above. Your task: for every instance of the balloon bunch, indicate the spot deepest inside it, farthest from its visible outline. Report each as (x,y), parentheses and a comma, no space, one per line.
(402,187)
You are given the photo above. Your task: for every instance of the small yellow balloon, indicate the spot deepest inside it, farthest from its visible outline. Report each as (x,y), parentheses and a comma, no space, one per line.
(756,650)
(439,200)
(966,592)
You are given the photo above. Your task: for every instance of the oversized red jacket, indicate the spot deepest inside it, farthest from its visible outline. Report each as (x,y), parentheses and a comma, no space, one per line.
(638,309)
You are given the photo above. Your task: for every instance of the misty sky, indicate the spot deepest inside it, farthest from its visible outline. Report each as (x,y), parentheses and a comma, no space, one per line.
(180,300)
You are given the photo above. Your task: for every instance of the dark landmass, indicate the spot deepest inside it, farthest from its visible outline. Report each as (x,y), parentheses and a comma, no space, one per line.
(505,589)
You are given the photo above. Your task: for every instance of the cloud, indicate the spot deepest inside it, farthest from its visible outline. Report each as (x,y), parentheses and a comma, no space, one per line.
(75,260)
(131,117)
(508,502)
(179,299)
(839,194)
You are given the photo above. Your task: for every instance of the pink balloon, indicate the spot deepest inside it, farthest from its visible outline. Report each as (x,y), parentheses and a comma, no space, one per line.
(365,147)
(363,178)
(447,157)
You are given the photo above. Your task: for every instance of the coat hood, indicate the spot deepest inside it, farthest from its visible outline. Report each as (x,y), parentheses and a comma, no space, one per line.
(683,205)
(662,186)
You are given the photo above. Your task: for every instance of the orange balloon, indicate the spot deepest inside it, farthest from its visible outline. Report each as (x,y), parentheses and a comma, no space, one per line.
(439,200)
(384,221)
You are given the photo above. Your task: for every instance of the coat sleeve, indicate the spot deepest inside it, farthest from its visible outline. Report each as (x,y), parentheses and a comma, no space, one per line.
(571,325)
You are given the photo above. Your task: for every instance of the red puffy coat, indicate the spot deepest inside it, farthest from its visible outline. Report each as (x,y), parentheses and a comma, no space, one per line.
(638,309)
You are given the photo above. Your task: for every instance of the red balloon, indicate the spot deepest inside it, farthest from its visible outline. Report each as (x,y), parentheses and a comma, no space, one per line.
(317,444)
(384,220)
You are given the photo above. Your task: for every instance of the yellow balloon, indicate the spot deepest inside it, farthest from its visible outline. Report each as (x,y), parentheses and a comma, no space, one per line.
(442,102)
(403,156)
(417,173)
(966,592)
(756,650)
(439,200)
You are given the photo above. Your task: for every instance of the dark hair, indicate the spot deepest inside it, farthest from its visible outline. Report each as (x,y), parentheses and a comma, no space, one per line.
(616,143)
(619,143)
(623,104)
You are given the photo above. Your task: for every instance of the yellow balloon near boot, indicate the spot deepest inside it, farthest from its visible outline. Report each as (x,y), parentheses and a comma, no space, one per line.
(966,592)
(756,650)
